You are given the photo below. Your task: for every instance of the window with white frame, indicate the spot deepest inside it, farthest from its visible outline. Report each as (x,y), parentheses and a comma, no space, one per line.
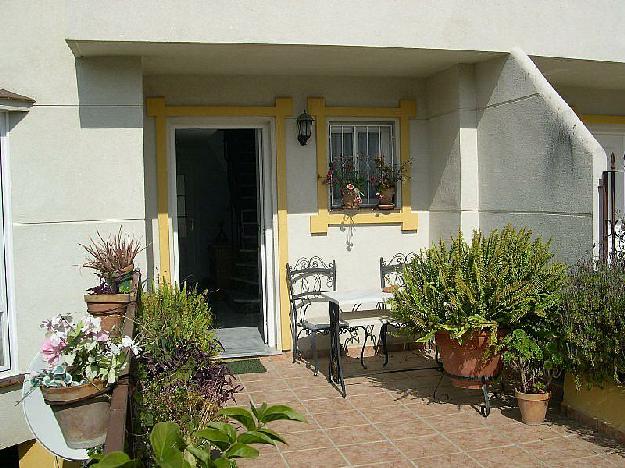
(5,317)
(357,145)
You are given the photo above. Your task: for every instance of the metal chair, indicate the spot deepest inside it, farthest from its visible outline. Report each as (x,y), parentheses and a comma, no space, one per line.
(306,279)
(391,274)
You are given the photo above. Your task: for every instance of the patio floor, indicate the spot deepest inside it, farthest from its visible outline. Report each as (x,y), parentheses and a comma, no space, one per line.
(390,419)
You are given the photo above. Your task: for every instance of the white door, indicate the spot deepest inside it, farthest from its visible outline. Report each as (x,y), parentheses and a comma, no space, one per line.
(5,355)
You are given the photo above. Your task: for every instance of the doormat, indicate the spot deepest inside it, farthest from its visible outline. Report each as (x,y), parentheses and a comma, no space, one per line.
(247,366)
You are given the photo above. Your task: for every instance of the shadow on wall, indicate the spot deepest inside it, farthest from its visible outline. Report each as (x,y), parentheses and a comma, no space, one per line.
(110,92)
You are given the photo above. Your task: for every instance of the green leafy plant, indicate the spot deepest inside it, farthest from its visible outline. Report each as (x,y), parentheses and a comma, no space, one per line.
(592,320)
(536,359)
(387,175)
(220,443)
(170,317)
(494,282)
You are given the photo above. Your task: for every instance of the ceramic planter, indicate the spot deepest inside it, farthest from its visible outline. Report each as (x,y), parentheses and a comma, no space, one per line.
(111,308)
(470,361)
(82,412)
(387,197)
(349,199)
(533,406)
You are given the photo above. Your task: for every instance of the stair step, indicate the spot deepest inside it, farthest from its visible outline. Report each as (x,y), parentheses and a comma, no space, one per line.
(244,280)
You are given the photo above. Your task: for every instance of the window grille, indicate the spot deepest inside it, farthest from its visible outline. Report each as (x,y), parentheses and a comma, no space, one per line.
(361,143)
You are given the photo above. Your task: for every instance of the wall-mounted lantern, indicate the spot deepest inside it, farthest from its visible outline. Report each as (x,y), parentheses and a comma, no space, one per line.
(304,127)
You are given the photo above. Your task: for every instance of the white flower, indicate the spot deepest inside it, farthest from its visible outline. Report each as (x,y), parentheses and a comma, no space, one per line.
(114,349)
(129,343)
(92,325)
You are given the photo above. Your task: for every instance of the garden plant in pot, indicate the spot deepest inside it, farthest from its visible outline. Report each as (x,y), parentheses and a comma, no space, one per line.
(535,356)
(113,260)
(83,364)
(386,179)
(345,182)
(466,296)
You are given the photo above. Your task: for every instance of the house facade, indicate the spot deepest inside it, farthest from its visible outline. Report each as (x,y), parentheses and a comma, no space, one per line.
(147,116)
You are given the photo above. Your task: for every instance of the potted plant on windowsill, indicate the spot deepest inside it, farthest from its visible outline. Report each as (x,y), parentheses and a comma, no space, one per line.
(535,358)
(386,179)
(83,364)
(467,295)
(342,176)
(113,260)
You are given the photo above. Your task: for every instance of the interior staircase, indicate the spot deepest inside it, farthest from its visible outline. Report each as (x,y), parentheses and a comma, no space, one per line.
(240,150)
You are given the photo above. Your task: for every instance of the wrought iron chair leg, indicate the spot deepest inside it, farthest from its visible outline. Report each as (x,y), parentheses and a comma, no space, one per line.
(315,353)
(362,350)
(294,334)
(383,332)
(485,410)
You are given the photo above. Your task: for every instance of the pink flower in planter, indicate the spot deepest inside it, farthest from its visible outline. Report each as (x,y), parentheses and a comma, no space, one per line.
(102,336)
(51,349)
(350,186)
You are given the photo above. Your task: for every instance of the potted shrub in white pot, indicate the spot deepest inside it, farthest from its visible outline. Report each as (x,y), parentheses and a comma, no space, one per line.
(535,356)
(83,364)
(113,260)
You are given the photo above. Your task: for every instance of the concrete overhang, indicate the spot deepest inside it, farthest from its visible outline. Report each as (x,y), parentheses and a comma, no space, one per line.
(10,101)
(263,59)
(582,73)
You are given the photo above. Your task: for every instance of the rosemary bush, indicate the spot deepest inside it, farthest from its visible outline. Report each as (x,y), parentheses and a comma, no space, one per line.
(495,281)
(593,322)
(171,317)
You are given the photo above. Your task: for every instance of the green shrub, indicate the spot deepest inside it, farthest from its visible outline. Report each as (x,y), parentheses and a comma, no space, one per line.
(593,322)
(171,317)
(496,281)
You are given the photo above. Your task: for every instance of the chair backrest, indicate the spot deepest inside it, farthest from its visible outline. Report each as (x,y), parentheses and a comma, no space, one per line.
(391,271)
(307,278)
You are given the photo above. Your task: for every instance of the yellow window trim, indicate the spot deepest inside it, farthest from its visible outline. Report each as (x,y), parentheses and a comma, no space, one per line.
(602,119)
(283,108)
(319,222)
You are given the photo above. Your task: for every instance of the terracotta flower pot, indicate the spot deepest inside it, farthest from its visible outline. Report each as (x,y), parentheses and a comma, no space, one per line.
(533,406)
(387,199)
(111,308)
(350,199)
(82,412)
(470,360)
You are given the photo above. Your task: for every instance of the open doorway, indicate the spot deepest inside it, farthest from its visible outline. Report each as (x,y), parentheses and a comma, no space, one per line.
(218,227)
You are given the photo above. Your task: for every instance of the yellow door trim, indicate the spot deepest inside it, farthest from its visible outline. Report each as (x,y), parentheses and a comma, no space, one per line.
(320,221)
(283,108)
(602,119)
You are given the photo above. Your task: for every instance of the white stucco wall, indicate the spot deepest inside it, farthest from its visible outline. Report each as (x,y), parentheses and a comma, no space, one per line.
(76,167)
(442,24)
(357,250)
(535,157)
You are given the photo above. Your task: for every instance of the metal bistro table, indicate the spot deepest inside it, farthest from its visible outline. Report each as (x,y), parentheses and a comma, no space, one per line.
(354,300)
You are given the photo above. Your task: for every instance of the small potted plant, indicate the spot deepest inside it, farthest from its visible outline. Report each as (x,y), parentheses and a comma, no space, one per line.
(386,179)
(83,363)
(537,362)
(467,295)
(345,178)
(113,260)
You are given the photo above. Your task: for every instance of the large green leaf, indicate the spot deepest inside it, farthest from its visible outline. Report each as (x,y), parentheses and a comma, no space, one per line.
(115,460)
(255,437)
(272,434)
(278,412)
(216,437)
(241,451)
(167,445)
(224,463)
(226,428)
(240,414)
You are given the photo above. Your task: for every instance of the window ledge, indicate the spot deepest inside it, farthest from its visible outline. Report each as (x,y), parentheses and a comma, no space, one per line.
(319,222)
(11,380)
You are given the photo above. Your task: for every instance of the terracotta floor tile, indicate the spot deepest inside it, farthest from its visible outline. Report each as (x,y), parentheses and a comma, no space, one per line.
(311,393)
(327,458)
(426,446)
(340,419)
(263,461)
(328,405)
(465,421)
(362,454)
(448,460)
(390,464)
(272,396)
(354,435)
(477,439)
(404,429)
(293,427)
(427,409)
(392,413)
(372,400)
(305,440)
(502,457)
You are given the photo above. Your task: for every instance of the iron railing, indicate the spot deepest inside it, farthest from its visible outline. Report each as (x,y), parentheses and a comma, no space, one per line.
(611,203)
